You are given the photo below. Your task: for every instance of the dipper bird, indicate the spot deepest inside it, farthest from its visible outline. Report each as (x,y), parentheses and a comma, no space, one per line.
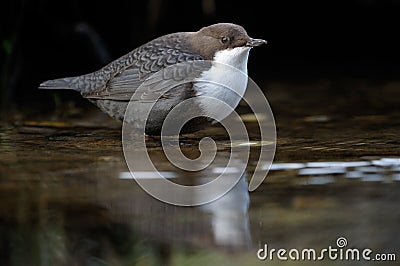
(112,87)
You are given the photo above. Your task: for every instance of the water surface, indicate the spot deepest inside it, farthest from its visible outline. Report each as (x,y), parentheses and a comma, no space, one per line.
(67,197)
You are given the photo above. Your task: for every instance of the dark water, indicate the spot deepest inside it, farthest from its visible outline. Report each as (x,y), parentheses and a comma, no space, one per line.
(67,197)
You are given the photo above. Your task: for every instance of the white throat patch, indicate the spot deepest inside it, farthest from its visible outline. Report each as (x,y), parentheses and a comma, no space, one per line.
(225,83)
(236,57)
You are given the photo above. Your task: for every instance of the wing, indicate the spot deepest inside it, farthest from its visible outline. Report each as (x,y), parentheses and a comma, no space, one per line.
(150,68)
(160,84)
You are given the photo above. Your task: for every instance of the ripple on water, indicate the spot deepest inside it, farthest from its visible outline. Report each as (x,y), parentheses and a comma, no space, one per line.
(372,178)
(338,164)
(386,162)
(354,174)
(376,170)
(370,169)
(318,180)
(322,171)
(251,143)
(147,175)
(286,166)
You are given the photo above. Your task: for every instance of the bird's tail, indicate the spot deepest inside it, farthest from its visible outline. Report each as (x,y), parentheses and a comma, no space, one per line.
(60,84)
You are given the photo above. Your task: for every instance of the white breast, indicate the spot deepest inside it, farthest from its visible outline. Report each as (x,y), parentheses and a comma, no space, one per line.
(227,79)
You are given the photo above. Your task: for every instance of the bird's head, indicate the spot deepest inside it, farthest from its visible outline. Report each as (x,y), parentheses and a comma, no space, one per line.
(208,41)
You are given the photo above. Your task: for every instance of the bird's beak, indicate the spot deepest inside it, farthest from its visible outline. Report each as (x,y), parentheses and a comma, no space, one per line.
(255,42)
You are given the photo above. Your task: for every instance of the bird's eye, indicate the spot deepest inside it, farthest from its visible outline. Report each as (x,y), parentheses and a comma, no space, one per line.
(224,39)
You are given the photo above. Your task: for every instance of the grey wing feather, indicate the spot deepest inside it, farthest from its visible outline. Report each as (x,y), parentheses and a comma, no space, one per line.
(120,88)
(129,78)
(160,83)
(146,75)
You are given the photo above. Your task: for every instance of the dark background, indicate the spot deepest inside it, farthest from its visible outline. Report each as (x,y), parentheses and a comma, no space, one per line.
(47,39)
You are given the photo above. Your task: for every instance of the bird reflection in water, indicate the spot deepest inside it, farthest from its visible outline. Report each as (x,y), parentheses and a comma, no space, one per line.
(223,222)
